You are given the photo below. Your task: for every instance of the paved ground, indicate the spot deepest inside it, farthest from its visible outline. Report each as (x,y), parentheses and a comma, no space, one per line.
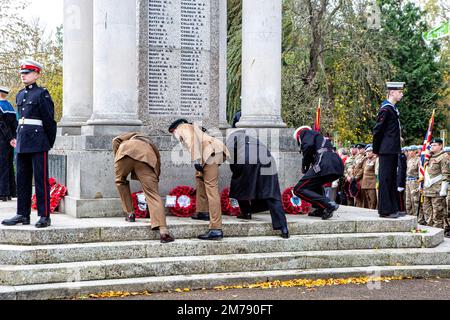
(423,289)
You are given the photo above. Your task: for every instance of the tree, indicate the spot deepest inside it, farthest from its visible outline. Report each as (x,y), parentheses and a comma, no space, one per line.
(417,64)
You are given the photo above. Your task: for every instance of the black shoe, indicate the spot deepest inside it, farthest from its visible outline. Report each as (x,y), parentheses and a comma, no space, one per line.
(201,216)
(131,218)
(285,233)
(316,213)
(401,213)
(166,238)
(4,199)
(390,216)
(17,220)
(244,216)
(43,222)
(213,234)
(9,198)
(328,213)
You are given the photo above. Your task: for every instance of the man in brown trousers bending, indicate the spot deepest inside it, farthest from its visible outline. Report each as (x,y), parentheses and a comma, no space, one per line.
(207,154)
(135,153)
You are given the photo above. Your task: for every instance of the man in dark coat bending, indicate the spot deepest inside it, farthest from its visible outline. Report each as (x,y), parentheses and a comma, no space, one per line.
(321,164)
(255,180)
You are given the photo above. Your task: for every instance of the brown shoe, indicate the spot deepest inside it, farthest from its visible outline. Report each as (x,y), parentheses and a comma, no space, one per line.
(166,238)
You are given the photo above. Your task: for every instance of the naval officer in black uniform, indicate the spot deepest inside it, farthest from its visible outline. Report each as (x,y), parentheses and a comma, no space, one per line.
(36,135)
(386,144)
(320,165)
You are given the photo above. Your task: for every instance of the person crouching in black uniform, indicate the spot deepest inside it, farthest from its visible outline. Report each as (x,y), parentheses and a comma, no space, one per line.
(255,180)
(320,164)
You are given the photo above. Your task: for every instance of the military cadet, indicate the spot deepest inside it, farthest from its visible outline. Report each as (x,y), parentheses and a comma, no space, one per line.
(8,127)
(136,154)
(254,182)
(320,164)
(369,180)
(435,187)
(208,154)
(348,173)
(357,174)
(36,135)
(386,145)
(401,179)
(412,192)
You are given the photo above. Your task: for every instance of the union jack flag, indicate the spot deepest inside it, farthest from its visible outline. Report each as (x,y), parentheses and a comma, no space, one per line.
(425,155)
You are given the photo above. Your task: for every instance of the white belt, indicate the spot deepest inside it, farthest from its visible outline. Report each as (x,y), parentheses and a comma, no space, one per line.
(429,182)
(30,122)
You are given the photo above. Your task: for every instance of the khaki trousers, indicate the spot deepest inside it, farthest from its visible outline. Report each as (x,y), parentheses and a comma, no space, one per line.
(370,198)
(208,197)
(435,212)
(149,182)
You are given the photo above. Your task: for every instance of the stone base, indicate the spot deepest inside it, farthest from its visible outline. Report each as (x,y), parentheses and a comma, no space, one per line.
(92,208)
(108,130)
(89,169)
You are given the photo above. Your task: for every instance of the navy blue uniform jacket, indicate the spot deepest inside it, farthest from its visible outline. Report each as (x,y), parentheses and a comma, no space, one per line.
(386,133)
(34,102)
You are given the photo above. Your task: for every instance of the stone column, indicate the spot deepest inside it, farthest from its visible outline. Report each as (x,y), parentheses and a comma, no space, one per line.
(223,36)
(115,68)
(78,96)
(261,64)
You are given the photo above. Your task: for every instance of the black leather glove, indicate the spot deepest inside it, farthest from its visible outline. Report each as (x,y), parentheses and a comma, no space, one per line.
(198,167)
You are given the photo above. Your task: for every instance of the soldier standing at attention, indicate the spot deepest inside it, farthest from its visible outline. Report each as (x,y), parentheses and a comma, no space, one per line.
(348,173)
(8,127)
(369,180)
(36,135)
(401,179)
(435,187)
(386,145)
(357,173)
(412,186)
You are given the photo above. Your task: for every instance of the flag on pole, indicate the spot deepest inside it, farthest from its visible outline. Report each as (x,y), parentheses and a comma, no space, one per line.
(425,155)
(318,112)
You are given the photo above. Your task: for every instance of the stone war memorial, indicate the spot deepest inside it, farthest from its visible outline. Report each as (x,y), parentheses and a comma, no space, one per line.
(136,66)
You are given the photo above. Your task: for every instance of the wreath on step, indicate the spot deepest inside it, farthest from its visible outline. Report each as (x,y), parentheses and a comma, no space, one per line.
(230,206)
(57,193)
(185,204)
(293,204)
(140,205)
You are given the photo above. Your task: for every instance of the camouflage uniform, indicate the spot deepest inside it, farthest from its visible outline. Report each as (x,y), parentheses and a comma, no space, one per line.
(412,185)
(434,205)
(348,171)
(357,174)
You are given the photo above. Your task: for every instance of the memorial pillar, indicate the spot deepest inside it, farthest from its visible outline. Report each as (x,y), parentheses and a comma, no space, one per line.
(223,38)
(261,64)
(77,91)
(115,69)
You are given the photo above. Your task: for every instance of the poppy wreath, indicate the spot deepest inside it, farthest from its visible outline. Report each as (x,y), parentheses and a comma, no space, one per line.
(57,193)
(140,205)
(293,204)
(230,207)
(185,203)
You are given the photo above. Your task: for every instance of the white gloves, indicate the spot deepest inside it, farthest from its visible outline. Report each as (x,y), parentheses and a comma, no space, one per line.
(444,188)
(400,189)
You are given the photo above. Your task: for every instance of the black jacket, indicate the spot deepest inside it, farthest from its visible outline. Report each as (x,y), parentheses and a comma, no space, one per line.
(330,162)
(386,133)
(254,169)
(35,102)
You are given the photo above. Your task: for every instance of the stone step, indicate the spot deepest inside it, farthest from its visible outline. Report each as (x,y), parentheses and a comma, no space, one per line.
(51,254)
(65,290)
(185,265)
(65,230)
